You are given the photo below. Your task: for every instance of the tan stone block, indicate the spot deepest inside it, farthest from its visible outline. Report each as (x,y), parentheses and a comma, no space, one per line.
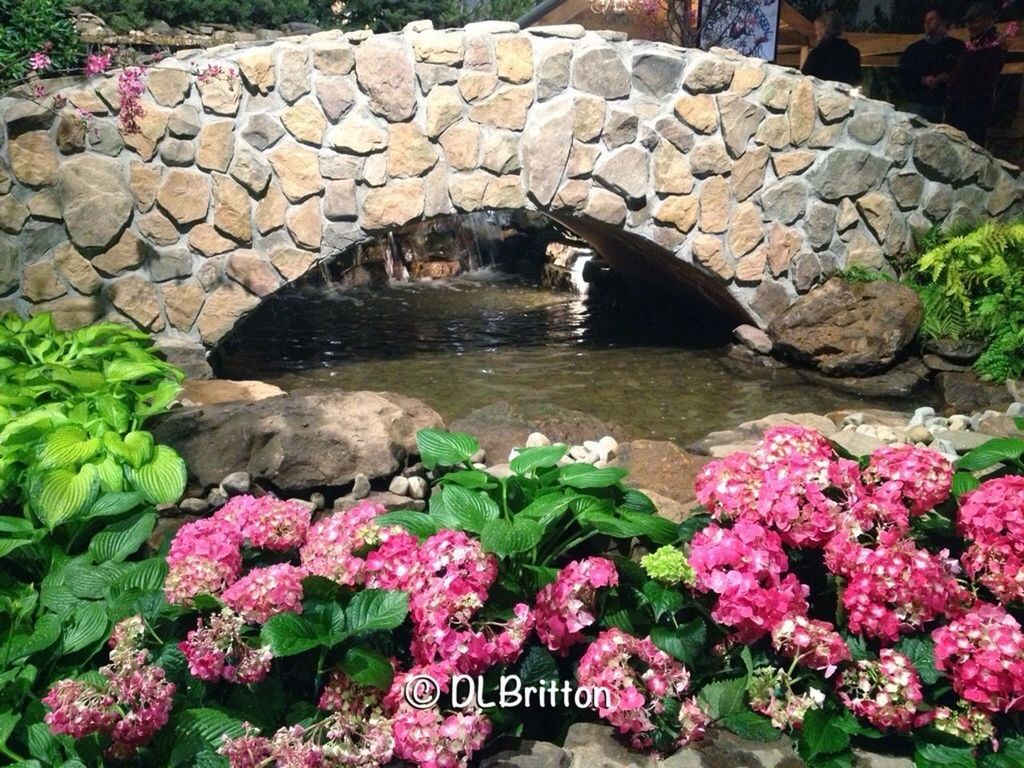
(207,241)
(680,211)
(298,170)
(505,109)
(746,79)
(358,134)
(39,282)
(253,271)
(76,269)
(439,47)
(340,201)
(144,184)
(504,192)
(126,254)
(714,205)
(168,86)
(223,308)
(500,152)
(71,312)
(86,100)
(671,170)
(305,224)
(746,230)
(334,57)
(216,145)
(572,195)
(802,112)
(514,58)
(461,146)
(220,93)
(139,300)
(305,122)
(467,190)
(750,269)
(158,229)
(45,205)
(70,133)
(475,86)
(292,263)
(271,209)
(709,251)
(444,107)
(410,152)
(398,203)
(748,173)
(257,68)
(152,125)
(13,214)
(582,160)
(791,163)
(231,210)
(605,206)
(185,196)
(33,158)
(589,112)
(783,246)
(183,303)
(698,112)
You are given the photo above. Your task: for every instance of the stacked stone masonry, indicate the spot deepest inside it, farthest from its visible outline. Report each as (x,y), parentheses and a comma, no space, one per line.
(255,163)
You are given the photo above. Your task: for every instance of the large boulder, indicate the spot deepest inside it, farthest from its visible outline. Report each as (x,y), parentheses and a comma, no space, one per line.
(306,440)
(849,329)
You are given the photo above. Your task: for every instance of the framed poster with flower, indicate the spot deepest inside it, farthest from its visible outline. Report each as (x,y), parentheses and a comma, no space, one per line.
(748,26)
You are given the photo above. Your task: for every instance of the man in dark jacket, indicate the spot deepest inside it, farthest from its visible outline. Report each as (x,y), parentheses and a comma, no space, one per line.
(925,68)
(833,58)
(972,83)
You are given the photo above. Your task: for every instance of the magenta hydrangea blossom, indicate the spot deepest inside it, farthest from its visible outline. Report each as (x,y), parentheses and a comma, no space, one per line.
(886,693)
(565,607)
(991,518)
(265,592)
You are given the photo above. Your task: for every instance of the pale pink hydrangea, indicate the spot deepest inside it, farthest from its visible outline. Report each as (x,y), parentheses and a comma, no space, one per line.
(266,522)
(967,723)
(336,546)
(264,592)
(430,739)
(469,650)
(983,654)
(812,643)
(693,722)
(217,650)
(886,693)
(893,590)
(612,664)
(565,606)
(205,558)
(920,476)
(991,518)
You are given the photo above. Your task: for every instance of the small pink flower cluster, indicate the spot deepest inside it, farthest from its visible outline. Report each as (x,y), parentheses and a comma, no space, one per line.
(217,650)
(130,87)
(814,644)
(566,606)
(983,654)
(206,557)
(886,692)
(40,61)
(922,478)
(609,665)
(130,707)
(967,723)
(991,518)
(335,546)
(98,63)
(744,566)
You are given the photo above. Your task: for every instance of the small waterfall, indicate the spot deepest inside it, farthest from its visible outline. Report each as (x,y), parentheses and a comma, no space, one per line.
(393,263)
(486,230)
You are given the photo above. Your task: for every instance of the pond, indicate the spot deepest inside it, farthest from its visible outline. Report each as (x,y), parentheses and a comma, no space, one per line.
(652,364)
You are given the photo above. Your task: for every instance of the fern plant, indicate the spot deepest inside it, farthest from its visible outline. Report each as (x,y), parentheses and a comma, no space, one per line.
(971,284)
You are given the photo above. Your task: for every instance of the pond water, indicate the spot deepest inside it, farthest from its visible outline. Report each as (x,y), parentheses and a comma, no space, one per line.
(651,364)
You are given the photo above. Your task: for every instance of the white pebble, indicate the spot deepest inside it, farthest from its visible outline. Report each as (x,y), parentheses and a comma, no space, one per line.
(854,418)
(513,453)
(565,460)
(958,423)
(920,415)
(885,434)
(590,445)
(536,439)
(600,464)
(865,429)
(479,465)
(479,456)
(578,452)
(609,446)
(399,486)
(1015,409)
(592,458)
(418,487)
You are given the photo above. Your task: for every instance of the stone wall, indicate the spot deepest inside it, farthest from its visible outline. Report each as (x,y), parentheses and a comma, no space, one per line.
(254,163)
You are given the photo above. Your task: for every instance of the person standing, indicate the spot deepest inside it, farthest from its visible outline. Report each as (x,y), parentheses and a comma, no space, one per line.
(971,93)
(833,58)
(925,68)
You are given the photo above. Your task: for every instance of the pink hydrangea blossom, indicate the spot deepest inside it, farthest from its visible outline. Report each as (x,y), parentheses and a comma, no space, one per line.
(205,557)
(336,546)
(79,709)
(814,644)
(920,476)
(897,589)
(983,654)
(430,739)
(39,61)
(612,664)
(264,592)
(886,693)
(565,606)
(267,522)
(217,650)
(991,518)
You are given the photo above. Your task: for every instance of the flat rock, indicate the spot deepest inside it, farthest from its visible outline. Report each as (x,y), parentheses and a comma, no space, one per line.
(964,392)
(298,441)
(749,433)
(901,381)
(215,391)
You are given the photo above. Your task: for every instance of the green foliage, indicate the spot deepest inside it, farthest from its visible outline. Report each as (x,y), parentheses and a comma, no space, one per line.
(76,475)
(859,274)
(972,287)
(27,26)
(123,15)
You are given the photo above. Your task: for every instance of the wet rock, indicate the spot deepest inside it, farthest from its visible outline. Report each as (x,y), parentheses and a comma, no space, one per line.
(300,441)
(964,392)
(849,328)
(902,381)
(236,483)
(360,486)
(528,754)
(958,351)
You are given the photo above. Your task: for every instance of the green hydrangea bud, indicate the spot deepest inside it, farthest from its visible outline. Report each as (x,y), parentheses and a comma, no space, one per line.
(668,565)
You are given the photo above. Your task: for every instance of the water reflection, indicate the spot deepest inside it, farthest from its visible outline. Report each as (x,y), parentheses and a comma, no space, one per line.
(651,364)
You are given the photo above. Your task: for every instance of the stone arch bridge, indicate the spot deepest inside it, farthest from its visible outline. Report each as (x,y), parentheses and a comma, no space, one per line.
(254,164)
